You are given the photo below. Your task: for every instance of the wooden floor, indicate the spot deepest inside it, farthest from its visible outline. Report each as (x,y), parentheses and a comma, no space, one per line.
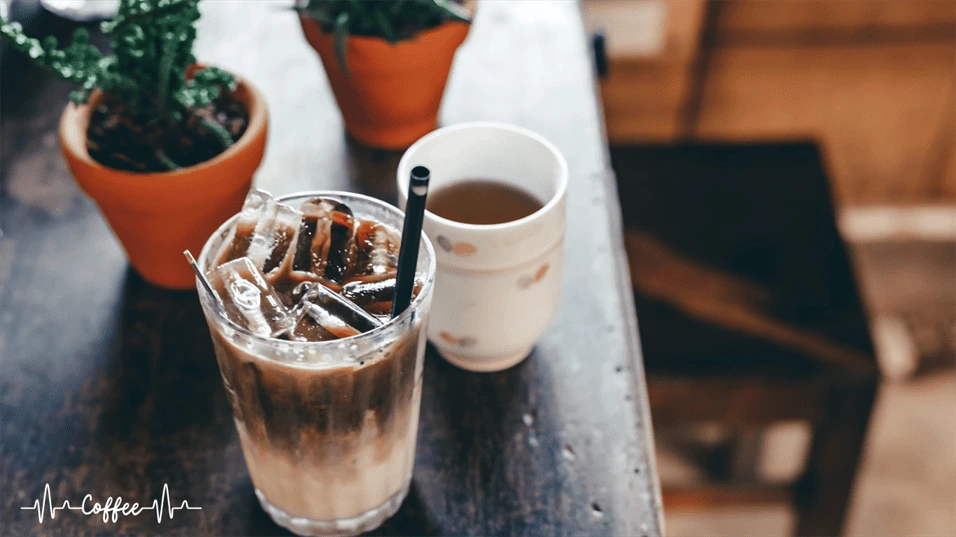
(907,485)
(910,288)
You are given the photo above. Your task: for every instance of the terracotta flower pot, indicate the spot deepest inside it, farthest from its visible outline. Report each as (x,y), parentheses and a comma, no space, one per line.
(392,94)
(158,215)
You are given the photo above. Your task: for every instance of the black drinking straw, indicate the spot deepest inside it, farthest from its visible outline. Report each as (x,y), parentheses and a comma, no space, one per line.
(411,237)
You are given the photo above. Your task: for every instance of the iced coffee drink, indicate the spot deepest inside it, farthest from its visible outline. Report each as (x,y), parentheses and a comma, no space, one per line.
(324,385)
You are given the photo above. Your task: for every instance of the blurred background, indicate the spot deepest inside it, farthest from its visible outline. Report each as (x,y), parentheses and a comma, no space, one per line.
(787,173)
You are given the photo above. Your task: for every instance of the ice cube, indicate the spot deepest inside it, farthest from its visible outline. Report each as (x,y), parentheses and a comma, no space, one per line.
(264,231)
(248,298)
(374,297)
(324,248)
(377,248)
(257,203)
(317,293)
(270,248)
(323,315)
(316,323)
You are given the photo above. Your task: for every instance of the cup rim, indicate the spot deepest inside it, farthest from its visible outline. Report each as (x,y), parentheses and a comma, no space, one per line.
(560,192)
(426,286)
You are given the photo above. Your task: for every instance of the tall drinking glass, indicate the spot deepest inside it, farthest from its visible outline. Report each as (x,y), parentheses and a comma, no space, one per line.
(327,428)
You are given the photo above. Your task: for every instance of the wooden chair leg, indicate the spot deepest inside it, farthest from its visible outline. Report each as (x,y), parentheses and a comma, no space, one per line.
(822,494)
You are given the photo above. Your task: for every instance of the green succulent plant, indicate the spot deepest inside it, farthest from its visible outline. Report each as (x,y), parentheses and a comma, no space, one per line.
(392,20)
(152,50)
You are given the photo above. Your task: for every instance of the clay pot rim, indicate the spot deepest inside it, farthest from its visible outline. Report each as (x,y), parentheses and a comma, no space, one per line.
(470,5)
(75,121)
(382,41)
(383,44)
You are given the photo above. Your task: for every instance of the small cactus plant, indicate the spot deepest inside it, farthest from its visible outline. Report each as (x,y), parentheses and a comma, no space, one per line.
(147,72)
(394,21)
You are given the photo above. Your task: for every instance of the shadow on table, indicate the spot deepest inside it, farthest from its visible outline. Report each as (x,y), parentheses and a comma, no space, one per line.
(488,445)
(163,397)
(164,367)
(411,519)
(474,409)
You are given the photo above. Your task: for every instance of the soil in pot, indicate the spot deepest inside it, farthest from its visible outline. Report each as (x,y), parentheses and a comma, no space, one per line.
(121,139)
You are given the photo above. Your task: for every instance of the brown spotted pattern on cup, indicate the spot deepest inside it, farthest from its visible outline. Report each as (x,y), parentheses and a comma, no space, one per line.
(463,342)
(464,249)
(444,243)
(525,281)
(461,249)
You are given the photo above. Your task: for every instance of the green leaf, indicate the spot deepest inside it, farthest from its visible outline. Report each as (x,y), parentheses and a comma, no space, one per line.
(341,38)
(81,36)
(164,159)
(393,20)
(397,6)
(452,11)
(79,96)
(164,75)
(357,8)
(386,27)
(320,15)
(220,132)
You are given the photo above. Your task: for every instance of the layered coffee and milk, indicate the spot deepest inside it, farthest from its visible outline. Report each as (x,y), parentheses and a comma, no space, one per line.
(325,394)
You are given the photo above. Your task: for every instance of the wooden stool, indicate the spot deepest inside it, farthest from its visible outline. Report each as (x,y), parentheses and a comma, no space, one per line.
(748,310)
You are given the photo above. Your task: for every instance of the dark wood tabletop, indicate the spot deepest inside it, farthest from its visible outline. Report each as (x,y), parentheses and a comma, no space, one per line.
(109,386)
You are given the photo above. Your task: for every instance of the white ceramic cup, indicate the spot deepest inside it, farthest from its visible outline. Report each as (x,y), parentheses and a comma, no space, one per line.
(497,286)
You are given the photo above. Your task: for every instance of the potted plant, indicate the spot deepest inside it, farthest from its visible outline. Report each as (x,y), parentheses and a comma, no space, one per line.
(387,62)
(166,148)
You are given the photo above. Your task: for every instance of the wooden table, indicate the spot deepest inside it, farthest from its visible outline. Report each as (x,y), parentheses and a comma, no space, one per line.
(109,387)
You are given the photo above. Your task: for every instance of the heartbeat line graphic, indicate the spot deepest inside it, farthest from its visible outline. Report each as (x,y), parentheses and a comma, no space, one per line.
(110,510)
